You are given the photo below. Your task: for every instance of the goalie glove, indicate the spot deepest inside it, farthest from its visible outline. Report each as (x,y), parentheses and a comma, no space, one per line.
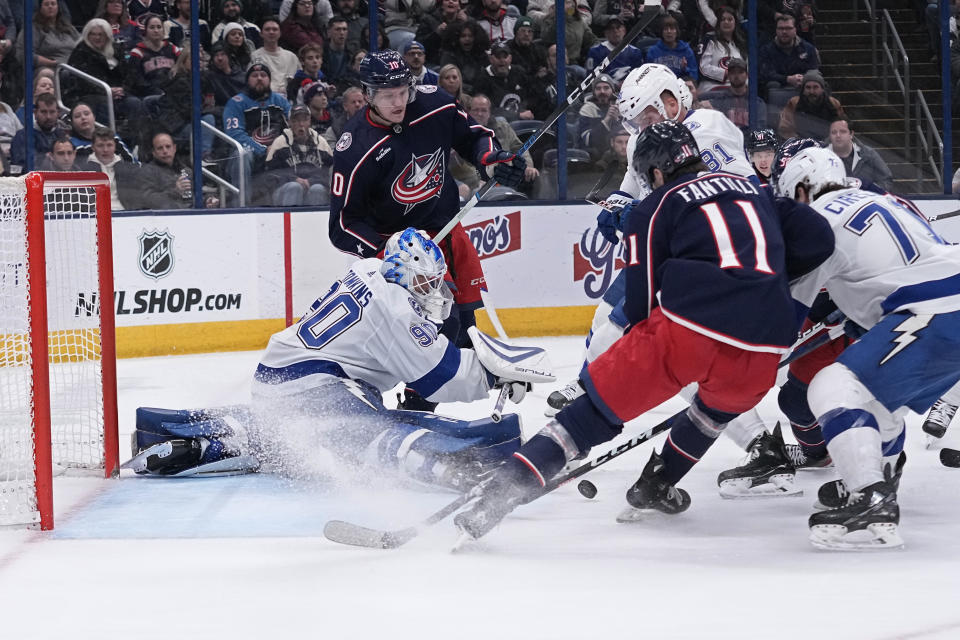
(518,367)
(508,168)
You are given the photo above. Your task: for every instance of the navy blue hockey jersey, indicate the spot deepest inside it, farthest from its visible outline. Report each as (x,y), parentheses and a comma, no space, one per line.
(710,250)
(388,178)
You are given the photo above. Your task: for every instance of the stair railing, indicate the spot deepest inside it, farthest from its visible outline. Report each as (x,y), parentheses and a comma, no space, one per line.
(872,19)
(896,62)
(927,135)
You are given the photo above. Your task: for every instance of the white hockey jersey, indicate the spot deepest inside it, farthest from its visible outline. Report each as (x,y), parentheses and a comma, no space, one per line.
(886,259)
(365,328)
(721,149)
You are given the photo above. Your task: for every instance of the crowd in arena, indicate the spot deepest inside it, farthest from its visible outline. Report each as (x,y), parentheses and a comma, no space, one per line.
(280,78)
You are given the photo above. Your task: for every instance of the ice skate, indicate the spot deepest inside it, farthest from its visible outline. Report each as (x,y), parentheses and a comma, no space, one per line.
(560,398)
(495,501)
(651,493)
(834,494)
(768,472)
(937,420)
(869,520)
(802,462)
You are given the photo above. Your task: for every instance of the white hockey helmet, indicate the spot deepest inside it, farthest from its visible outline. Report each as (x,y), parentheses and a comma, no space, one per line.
(413,261)
(685,97)
(815,168)
(642,88)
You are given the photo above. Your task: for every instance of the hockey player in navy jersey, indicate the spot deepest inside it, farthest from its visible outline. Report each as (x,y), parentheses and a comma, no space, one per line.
(320,381)
(707,300)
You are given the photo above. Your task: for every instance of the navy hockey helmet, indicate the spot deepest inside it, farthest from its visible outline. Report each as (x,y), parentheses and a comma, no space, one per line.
(385,70)
(761,140)
(667,146)
(788,150)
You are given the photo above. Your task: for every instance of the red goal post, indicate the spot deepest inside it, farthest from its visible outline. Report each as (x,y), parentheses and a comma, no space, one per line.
(58,397)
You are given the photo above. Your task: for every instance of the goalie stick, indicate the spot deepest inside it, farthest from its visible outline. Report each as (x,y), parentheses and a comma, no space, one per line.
(650,11)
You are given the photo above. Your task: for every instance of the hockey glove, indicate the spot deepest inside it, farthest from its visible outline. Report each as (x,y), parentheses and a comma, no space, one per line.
(852,330)
(507,168)
(516,391)
(607,223)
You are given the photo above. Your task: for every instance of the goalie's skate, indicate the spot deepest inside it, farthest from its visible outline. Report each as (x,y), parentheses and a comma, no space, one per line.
(560,398)
(868,521)
(937,420)
(767,473)
(651,493)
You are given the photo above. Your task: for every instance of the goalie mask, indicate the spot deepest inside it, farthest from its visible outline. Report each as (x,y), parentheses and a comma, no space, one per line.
(642,88)
(413,261)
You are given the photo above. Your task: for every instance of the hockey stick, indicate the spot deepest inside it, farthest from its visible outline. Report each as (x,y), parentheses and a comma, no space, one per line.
(948,214)
(356,535)
(649,13)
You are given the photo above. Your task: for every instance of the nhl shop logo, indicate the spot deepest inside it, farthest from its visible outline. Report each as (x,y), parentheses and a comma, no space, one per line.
(156,253)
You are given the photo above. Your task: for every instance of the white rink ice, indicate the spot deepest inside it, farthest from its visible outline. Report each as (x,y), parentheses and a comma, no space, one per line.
(239,558)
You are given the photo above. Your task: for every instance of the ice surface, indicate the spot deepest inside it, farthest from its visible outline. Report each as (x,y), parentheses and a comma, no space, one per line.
(244,557)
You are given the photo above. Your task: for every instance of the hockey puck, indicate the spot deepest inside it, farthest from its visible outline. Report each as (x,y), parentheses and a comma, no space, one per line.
(948,457)
(589,490)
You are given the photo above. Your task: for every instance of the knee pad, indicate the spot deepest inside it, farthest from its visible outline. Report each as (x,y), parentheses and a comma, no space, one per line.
(793,402)
(836,387)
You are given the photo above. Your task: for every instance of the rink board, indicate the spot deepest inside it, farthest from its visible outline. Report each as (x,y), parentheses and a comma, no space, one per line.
(205,282)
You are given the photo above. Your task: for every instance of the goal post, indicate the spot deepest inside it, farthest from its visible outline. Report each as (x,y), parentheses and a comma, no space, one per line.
(58,398)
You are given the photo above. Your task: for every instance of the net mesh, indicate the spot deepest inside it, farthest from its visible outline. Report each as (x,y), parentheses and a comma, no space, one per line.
(75,381)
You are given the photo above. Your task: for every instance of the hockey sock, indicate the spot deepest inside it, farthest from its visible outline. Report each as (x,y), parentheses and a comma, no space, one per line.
(535,463)
(689,439)
(793,402)
(855,445)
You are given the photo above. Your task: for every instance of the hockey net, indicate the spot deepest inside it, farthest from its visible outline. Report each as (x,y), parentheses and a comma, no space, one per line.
(57,358)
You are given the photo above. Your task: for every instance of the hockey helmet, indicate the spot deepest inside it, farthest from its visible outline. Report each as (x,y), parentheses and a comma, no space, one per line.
(642,88)
(788,150)
(384,70)
(413,261)
(761,140)
(815,168)
(667,146)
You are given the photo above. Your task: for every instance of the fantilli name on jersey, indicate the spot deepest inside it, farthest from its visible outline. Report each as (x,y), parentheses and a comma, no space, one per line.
(367,328)
(887,259)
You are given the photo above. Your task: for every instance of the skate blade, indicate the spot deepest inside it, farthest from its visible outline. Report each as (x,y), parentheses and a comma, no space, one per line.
(779,486)
(875,537)
(550,411)
(465,543)
(632,515)
(138,463)
(931,441)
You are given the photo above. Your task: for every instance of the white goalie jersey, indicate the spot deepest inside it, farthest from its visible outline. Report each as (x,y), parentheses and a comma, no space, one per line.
(367,328)
(721,149)
(886,259)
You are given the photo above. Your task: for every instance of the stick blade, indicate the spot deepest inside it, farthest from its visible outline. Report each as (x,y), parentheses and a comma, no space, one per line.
(357,536)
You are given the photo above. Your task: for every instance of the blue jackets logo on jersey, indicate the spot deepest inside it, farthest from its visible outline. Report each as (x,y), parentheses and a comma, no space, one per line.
(420,180)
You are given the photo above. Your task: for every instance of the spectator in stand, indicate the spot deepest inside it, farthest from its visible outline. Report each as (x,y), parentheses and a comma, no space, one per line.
(859,160)
(163,182)
(351,102)
(47,128)
(695,100)
(283,64)
(8,28)
(725,42)
(94,55)
(807,22)
(232,11)
(311,61)
(321,118)
(175,106)
(125,31)
(539,10)
(785,59)
(631,57)
(545,88)
(82,127)
(42,83)
(415,55)
(352,77)
(104,158)
(508,88)
(151,60)
(301,28)
(614,159)
(480,110)
(254,118)
(347,9)
(465,48)
(623,9)
(321,9)
(434,25)
(226,79)
(495,21)
(298,164)
(809,114)
(9,125)
(61,157)
(177,26)
(140,8)
(527,54)
(599,116)
(673,52)
(451,82)
(733,99)
(235,43)
(382,41)
(336,55)
(401,18)
(579,37)
(53,36)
